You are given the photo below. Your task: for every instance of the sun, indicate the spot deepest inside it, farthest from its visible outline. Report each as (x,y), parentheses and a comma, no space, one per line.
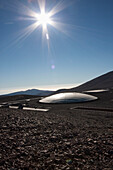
(44,19)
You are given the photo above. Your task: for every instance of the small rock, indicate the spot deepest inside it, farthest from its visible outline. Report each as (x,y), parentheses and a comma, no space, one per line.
(69,161)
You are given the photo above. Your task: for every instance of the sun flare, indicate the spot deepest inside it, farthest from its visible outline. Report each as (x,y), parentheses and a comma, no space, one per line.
(44,19)
(41,18)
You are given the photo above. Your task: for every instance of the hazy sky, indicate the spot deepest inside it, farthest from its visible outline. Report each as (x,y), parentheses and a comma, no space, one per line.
(77,49)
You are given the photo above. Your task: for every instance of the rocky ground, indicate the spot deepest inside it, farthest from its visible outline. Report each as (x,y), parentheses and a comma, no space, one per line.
(62,138)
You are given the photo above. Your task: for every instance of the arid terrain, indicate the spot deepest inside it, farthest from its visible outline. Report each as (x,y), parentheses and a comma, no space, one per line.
(67,136)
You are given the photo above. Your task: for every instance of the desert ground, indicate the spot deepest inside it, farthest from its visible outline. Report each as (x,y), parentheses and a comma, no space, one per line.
(68,136)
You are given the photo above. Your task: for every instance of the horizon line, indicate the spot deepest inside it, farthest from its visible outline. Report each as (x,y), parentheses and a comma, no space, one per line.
(43,87)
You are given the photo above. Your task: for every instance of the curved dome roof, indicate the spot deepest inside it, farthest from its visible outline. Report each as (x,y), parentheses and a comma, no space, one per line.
(68,98)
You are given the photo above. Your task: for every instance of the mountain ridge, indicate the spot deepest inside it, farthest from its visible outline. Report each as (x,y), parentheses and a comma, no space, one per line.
(35,92)
(104,81)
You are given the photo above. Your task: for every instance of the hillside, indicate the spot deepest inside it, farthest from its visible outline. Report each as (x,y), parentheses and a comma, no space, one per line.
(104,81)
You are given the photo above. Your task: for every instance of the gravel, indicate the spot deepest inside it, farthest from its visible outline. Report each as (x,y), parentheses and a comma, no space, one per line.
(63,139)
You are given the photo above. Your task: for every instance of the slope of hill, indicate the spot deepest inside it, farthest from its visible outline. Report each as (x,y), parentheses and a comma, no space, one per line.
(32,92)
(104,81)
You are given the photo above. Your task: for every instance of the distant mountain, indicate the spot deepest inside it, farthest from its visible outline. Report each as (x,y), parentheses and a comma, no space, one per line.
(104,81)
(32,92)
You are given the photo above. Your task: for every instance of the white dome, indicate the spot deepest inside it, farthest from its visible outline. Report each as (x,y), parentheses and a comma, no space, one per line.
(68,98)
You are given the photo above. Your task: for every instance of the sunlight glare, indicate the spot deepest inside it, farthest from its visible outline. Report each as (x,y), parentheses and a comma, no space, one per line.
(43,19)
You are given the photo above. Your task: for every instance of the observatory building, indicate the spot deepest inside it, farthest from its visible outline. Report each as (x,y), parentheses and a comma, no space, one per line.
(68,98)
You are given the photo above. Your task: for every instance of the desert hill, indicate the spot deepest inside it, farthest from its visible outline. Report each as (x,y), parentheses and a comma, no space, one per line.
(104,81)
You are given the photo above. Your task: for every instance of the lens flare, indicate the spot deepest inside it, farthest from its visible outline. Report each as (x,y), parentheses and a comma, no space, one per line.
(53,66)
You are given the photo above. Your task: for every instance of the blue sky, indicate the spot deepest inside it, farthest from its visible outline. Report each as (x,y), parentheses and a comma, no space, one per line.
(80,50)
